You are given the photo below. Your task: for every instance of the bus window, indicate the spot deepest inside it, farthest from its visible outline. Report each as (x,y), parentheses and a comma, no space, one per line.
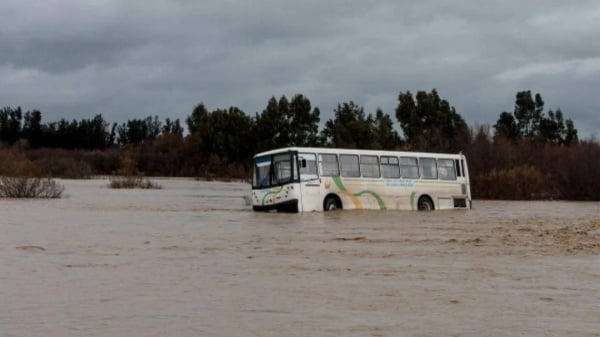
(369,167)
(389,167)
(409,168)
(458,170)
(282,169)
(294,163)
(308,166)
(328,165)
(349,165)
(428,168)
(446,169)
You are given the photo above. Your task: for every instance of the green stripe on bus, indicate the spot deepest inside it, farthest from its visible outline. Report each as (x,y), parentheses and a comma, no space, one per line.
(270,193)
(338,182)
(377,197)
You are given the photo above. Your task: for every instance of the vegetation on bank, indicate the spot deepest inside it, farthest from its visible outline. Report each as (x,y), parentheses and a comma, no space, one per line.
(527,154)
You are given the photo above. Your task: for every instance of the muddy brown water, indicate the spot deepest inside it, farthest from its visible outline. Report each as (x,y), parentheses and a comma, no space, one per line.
(191,259)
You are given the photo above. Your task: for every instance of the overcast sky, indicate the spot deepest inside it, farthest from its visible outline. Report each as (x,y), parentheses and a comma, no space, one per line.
(132,58)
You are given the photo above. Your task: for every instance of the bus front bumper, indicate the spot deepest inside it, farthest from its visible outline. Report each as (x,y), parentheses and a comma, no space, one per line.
(290,206)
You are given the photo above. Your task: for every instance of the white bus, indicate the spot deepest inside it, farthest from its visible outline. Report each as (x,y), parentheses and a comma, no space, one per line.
(301,179)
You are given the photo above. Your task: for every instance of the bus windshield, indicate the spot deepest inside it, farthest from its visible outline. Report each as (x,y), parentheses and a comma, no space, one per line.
(275,170)
(262,172)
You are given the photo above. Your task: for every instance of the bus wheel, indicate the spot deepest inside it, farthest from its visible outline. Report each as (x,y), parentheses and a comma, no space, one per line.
(331,203)
(425,204)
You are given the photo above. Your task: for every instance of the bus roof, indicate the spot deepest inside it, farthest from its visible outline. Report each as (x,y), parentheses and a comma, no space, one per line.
(360,152)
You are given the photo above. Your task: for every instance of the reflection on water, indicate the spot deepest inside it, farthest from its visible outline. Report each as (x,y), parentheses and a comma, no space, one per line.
(192,259)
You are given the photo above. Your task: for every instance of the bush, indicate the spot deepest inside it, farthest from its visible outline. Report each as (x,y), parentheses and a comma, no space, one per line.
(22,178)
(503,169)
(132,182)
(30,187)
(66,167)
(579,171)
(127,176)
(518,183)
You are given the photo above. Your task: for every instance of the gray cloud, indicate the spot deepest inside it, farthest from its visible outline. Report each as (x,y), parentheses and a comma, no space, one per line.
(73,59)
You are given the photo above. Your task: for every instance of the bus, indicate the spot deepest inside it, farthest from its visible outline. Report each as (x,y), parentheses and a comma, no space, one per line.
(304,179)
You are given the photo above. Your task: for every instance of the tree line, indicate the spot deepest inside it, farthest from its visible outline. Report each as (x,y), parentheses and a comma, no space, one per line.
(525,146)
(428,121)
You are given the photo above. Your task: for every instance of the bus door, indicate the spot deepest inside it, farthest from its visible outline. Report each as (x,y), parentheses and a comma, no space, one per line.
(310,184)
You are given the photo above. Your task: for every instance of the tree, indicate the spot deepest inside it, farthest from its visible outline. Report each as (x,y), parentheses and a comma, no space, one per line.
(552,128)
(506,127)
(284,135)
(570,133)
(137,131)
(112,138)
(197,122)
(528,121)
(230,136)
(89,134)
(172,127)
(350,128)
(528,113)
(303,123)
(271,127)
(32,128)
(63,134)
(386,137)
(287,123)
(430,123)
(10,124)
(93,133)
(224,134)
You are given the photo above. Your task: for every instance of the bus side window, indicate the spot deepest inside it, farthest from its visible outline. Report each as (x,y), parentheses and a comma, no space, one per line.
(328,165)
(308,166)
(349,165)
(389,167)
(409,168)
(282,169)
(446,169)
(369,166)
(457,165)
(428,168)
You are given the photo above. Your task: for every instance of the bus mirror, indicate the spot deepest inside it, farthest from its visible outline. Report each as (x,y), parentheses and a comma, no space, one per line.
(303,163)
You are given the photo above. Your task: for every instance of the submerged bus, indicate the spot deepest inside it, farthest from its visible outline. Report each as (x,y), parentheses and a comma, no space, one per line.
(301,179)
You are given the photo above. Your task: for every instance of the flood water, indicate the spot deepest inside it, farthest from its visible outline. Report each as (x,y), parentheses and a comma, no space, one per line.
(191,259)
